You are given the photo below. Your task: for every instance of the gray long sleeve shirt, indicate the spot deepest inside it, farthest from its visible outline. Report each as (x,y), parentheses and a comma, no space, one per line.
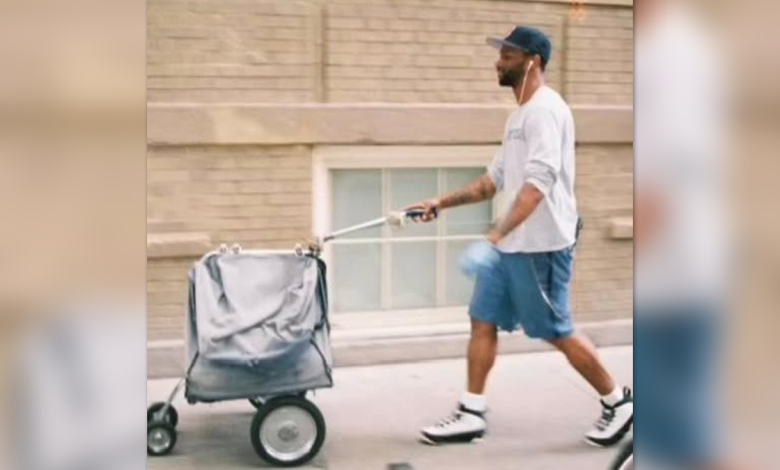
(538,148)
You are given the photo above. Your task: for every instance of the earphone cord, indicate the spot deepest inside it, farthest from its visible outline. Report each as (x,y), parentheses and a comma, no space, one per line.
(525,78)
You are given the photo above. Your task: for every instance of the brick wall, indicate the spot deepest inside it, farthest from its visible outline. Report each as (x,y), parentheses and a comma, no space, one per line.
(604,271)
(166,297)
(427,51)
(231,50)
(600,57)
(375,50)
(253,195)
(257,196)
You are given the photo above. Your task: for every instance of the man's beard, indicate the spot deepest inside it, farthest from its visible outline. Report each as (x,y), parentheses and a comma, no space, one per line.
(511,77)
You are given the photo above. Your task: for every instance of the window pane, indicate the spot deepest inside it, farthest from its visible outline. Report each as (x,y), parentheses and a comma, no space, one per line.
(474,219)
(357,198)
(408,187)
(413,275)
(458,287)
(357,277)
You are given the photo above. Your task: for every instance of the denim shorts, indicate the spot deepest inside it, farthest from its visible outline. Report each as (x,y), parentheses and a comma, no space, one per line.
(528,291)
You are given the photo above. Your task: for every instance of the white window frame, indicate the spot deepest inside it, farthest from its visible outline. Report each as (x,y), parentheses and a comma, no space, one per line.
(354,157)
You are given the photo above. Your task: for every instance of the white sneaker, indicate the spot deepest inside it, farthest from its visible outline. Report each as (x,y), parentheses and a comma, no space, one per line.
(614,423)
(464,425)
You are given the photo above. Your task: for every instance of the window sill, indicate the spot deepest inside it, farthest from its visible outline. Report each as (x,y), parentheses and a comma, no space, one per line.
(400,323)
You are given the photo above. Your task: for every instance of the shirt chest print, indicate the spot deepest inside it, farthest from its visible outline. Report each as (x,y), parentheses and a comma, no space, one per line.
(515,135)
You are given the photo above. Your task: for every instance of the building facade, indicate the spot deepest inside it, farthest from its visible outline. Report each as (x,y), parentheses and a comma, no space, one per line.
(272,121)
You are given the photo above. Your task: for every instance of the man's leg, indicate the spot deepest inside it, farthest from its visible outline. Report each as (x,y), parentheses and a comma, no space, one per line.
(618,408)
(488,310)
(541,289)
(468,421)
(483,347)
(582,355)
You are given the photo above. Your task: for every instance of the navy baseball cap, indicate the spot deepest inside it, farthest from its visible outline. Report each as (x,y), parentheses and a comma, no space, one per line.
(527,39)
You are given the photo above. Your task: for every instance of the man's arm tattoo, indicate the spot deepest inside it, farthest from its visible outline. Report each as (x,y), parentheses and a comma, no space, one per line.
(478,191)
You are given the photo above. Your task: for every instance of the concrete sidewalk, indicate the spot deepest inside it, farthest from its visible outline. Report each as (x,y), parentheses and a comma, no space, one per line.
(539,411)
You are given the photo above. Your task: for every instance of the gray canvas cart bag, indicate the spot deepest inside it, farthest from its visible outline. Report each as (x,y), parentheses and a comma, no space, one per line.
(257,330)
(257,324)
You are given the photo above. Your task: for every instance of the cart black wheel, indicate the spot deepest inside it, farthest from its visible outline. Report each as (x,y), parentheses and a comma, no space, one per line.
(258,402)
(172,416)
(288,431)
(625,458)
(160,438)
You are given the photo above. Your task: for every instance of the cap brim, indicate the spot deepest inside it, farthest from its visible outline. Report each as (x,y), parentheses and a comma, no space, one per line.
(498,43)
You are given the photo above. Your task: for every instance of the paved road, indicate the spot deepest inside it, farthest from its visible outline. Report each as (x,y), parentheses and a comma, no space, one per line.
(539,410)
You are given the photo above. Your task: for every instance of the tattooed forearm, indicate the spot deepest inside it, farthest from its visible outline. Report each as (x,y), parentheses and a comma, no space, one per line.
(526,202)
(478,191)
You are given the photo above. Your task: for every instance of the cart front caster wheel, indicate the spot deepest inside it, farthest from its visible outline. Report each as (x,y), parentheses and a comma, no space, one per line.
(288,431)
(160,438)
(171,416)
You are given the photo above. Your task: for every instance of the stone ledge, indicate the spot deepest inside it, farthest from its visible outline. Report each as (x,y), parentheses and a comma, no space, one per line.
(361,123)
(164,226)
(177,245)
(621,228)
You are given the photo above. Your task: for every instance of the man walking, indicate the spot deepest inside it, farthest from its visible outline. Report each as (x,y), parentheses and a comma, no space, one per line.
(528,285)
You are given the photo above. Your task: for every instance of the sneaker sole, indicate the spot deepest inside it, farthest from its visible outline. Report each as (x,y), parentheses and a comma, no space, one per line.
(603,443)
(474,438)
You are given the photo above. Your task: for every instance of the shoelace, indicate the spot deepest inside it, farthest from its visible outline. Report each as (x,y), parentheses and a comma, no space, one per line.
(607,415)
(452,419)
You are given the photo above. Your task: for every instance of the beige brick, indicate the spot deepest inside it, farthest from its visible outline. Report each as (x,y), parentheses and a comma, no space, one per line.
(264,223)
(221,70)
(292,234)
(164,298)
(155,273)
(606,17)
(452,61)
(338,72)
(289,199)
(603,45)
(161,286)
(600,65)
(606,88)
(600,77)
(405,25)
(231,83)
(170,176)
(347,23)
(599,56)
(235,96)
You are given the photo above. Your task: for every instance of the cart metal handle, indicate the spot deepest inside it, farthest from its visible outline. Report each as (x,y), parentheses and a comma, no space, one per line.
(397,219)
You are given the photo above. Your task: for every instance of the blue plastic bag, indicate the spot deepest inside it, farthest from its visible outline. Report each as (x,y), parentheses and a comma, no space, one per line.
(479,256)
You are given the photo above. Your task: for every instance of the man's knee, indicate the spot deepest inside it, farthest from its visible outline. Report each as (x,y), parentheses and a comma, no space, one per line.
(565,345)
(575,349)
(483,330)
